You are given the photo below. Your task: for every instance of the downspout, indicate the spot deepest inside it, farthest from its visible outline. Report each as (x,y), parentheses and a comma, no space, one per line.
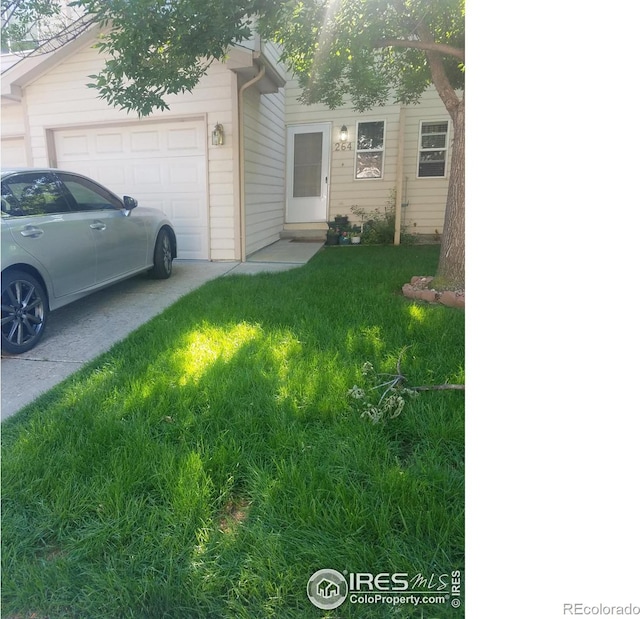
(399,177)
(243,216)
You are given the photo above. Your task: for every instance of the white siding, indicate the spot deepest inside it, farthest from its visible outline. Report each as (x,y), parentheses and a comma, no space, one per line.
(60,99)
(14,148)
(13,124)
(14,152)
(223,173)
(426,197)
(264,134)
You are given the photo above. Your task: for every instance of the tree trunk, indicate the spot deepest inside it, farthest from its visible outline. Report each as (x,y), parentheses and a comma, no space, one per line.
(452,250)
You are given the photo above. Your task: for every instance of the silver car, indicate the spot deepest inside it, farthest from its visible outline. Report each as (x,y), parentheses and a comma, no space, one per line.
(65,236)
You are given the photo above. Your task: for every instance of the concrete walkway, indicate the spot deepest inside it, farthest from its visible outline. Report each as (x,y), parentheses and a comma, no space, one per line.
(83,330)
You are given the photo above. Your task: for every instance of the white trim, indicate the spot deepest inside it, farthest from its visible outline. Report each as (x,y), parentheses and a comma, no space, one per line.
(156,120)
(446,148)
(291,216)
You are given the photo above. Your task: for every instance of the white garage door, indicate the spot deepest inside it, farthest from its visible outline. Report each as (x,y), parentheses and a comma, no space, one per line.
(160,164)
(13,153)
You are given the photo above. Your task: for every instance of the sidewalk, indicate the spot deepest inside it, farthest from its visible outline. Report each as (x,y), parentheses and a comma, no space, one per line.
(83,330)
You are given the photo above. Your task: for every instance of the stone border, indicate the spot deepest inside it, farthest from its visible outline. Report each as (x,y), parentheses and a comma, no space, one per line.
(419,289)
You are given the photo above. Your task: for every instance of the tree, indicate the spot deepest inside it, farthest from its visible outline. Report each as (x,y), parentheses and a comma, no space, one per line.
(371,50)
(366,50)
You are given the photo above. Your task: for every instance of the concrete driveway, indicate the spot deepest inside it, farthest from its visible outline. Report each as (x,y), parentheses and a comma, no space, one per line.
(83,330)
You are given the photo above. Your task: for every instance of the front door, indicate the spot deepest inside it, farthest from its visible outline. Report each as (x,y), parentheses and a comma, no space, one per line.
(308,172)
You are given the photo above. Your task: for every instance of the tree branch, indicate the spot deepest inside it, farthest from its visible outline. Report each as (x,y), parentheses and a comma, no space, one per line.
(400,378)
(438,387)
(438,74)
(441,48)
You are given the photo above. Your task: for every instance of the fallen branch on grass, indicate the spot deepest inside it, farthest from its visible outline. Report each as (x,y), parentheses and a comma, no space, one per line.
(399,378)
(392,400)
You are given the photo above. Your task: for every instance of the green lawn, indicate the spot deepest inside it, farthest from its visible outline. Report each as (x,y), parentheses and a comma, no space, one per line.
(208,465)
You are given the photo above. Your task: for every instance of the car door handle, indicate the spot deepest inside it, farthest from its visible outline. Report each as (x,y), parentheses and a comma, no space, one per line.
(98,225)
(31,232)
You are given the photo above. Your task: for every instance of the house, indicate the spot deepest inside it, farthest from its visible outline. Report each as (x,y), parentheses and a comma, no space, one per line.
(238,163)
(327,589)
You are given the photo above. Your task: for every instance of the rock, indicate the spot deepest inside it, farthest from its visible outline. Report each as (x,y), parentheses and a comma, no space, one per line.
(448,298)
(419,289)
(409,291)
(427,295)
(421,281)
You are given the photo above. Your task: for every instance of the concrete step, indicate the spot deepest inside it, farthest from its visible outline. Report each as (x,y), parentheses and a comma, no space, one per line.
(304,236)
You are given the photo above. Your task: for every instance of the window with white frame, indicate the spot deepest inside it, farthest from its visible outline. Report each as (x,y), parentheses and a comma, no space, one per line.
(370,149)
(434,143)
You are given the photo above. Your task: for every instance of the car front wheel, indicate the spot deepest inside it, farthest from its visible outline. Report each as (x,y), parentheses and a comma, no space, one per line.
(24,312)
(162,257)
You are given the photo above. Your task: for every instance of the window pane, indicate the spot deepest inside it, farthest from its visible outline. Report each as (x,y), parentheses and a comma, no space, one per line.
(431,156)
(434,127)
(434,141)
(307,165)
(431,164)
(369,165)
(433,149)
(371,135)
(88,197)
(33,194)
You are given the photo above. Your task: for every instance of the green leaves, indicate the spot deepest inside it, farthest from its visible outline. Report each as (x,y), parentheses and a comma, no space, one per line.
(348,49)
(157,48)
(339,49)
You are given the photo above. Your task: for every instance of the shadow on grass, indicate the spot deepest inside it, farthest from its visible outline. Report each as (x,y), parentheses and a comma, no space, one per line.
(210,463)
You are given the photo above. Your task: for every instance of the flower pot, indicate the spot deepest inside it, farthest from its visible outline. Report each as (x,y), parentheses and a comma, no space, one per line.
(343,220)
(332,239)
(345,240)
(355,240)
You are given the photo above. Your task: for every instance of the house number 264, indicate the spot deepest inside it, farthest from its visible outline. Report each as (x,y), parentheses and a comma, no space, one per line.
(342,146)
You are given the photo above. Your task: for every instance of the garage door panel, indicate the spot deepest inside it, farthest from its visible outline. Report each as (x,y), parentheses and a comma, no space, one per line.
(183,210)
(162,165)
(147,142)
(191,244)
(147,175)
(112,176)
(186,175)
(108,143)
(181,139)
(74,145)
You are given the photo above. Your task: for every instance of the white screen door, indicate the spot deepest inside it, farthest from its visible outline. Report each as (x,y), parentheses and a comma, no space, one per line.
(307,172)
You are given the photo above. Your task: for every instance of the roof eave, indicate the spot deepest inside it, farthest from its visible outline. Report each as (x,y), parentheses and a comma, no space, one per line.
(31,67)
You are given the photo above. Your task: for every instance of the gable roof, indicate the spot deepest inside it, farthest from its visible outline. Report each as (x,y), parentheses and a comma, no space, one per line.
(239,59)
(31,67)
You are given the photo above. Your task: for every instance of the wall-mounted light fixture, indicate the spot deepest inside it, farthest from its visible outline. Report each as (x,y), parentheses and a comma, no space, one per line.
(217,135)
(344,133)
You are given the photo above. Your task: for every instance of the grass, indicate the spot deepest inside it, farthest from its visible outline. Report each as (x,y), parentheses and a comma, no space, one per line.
(207,465)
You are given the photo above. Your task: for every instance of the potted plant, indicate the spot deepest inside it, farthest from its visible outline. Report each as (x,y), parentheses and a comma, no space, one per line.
(333,237)
(345,239)
(341,220)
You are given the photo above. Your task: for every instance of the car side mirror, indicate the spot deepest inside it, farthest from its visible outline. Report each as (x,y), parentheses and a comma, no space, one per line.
(129,204)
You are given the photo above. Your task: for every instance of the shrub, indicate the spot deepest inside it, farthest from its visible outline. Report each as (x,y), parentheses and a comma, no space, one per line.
(379,226)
